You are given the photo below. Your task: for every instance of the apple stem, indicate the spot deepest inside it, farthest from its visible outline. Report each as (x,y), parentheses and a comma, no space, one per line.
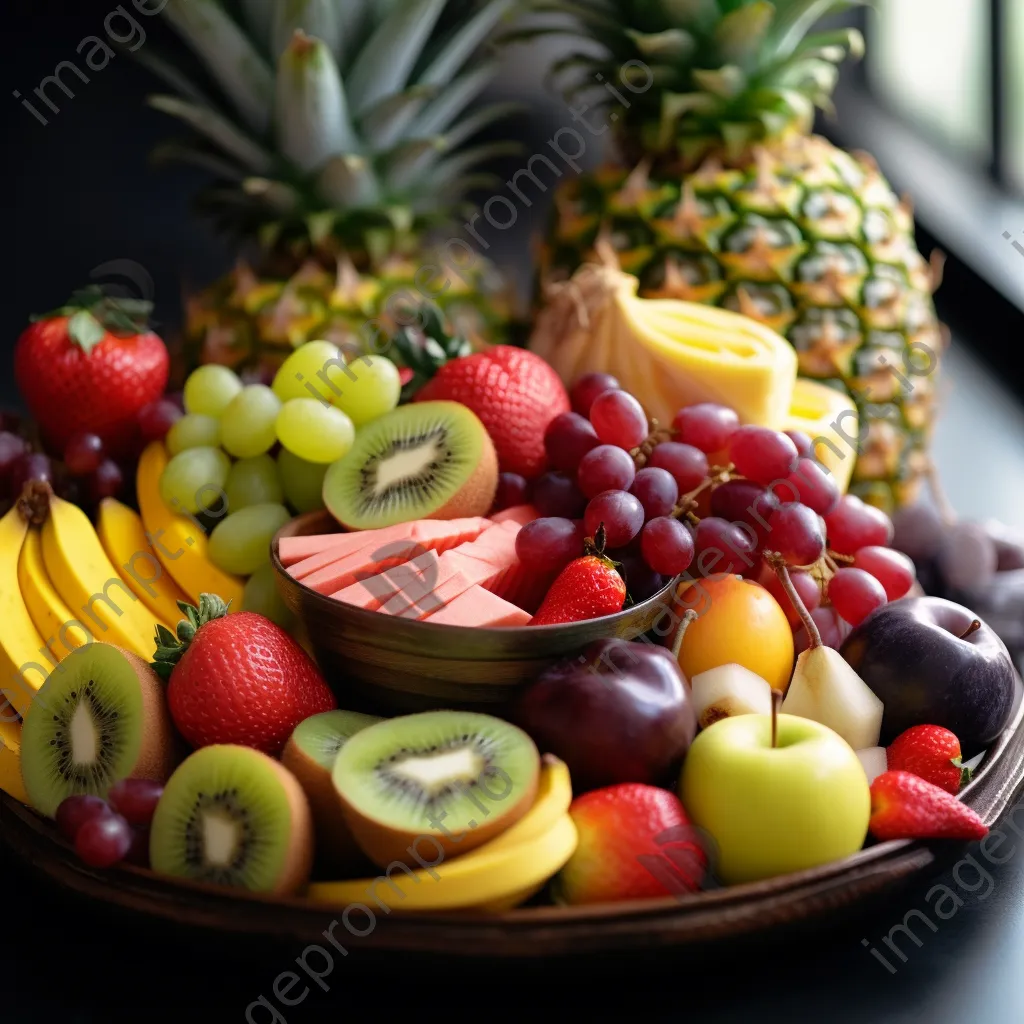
(778,564)
(776,696)
(689,616)
(972,628)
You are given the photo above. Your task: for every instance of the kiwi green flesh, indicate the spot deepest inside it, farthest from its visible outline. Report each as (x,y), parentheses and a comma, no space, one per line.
(320,737)
(458,768)
(404,466)
(225,819)
(84,730)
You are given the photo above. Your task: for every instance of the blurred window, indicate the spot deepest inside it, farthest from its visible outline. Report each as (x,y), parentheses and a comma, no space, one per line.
(1015,93)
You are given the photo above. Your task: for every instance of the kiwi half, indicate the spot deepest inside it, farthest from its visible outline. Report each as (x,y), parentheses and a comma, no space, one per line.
(457,777)
(309,755)
(426,460)
(232,816)
(100,717)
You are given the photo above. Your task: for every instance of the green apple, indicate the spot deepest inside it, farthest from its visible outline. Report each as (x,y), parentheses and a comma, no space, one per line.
(772,810)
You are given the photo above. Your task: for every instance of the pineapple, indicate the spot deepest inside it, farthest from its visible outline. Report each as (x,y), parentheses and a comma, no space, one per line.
(723,196)
(338,146)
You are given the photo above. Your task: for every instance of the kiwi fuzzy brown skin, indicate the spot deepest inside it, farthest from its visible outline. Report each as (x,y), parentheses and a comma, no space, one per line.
(336,849)
(160,750)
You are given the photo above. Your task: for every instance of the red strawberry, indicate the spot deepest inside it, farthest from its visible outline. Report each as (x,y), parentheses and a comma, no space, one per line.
(635,842)
(516,395)
(905,806)
(586,588)
(237,678)
(931,752)
(89,368)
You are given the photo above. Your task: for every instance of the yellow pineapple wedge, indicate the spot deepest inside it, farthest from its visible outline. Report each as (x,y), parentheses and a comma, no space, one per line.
(667,352)
(829,418)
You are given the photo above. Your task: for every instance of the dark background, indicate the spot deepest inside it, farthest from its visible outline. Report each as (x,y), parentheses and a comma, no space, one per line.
(80,193)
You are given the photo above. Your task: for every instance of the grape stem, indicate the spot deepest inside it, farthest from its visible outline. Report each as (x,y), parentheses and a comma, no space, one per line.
(832,557)
(689,616)
(778,564)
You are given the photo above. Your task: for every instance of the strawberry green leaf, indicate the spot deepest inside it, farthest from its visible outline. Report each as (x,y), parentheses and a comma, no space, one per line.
(85,330)
(170,648)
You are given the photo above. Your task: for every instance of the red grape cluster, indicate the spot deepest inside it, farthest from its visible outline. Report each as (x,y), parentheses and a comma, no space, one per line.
(708,496)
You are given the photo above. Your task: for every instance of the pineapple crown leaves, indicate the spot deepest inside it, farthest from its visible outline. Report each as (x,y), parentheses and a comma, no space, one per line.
(707,74)
(334,117)
(92,314)
(171,647)
(426,345)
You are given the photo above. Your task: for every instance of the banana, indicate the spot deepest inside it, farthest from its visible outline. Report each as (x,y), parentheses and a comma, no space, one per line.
(61,630)
(10,761)
(496,876)
(123,538)
(84,577)
(25,660)
(180,542)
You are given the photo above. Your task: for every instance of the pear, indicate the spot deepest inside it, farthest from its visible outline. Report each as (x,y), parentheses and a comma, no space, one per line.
(874,761)
(727,691)
(824,688)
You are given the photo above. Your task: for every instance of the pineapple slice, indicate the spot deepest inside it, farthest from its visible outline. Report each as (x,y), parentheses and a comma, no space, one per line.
(830,419)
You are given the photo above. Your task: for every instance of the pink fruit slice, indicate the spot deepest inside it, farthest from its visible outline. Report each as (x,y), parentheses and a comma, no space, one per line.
(521,514)
(384,549)
(481,608)
(371,593)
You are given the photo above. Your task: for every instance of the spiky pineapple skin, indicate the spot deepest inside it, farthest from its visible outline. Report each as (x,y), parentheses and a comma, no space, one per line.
(810,240)
(252,321)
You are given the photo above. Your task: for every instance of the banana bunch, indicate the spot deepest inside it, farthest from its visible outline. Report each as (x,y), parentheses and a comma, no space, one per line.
(497,876)
(10,765)
(666,352)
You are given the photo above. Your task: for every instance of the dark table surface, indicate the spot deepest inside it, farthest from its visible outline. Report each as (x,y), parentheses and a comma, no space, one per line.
(79,195)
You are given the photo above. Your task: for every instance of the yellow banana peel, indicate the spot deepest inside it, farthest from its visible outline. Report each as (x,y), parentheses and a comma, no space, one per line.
(10,760)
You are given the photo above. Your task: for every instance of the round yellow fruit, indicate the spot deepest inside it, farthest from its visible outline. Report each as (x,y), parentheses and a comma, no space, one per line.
(738,622)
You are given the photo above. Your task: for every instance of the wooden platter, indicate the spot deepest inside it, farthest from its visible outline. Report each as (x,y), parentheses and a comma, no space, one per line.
(529,932)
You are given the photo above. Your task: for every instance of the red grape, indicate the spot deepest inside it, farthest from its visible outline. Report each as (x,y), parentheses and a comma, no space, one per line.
(83,453)
(657,490)
(918,531)
(687,463)
(619,512)
(717,539)
(855,594)
(512,490)
(74,811)
(796,533)
(135,799)
(743,501)
(156,418)
(31,466)
(762,455)
(568,438)
(619,419)
(102,842)
(138,852)
(106,481)
(549,544)
(588,387)
(706,426)
(852,525)
(12,448)
(813,486)
(803,442)
(806,587)
(893,569)
(832,628)
(556,494)
(605,468)
(968,556)
(642,581)
(667,546)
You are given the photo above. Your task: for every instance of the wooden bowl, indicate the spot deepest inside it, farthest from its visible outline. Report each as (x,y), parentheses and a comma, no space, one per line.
(823,895)
(383,664)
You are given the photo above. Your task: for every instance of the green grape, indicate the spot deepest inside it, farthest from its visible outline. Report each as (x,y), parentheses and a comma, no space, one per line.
(193,430)
(374,391)
(193,481)
(253,482)
(209,389)
(241,543)
(247,424)
(303,482)
(262,597)
(314,431)
(303,368)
